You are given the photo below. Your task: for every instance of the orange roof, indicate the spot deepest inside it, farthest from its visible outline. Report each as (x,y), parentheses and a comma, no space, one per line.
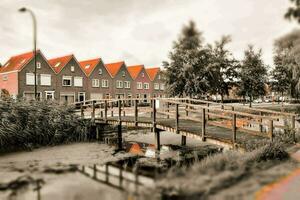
(89,65)
(113,68)
(16,63)
(59,63)
(152,72)
(134,71)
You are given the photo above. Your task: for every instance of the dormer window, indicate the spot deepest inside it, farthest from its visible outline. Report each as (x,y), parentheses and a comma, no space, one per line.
(7,64)
(57,64)
(38,65)
(72,68)
(87,66)
(143,74)
(123,73)
(100,71)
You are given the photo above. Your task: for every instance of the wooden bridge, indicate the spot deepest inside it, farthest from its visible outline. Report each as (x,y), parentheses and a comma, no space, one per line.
(228,125)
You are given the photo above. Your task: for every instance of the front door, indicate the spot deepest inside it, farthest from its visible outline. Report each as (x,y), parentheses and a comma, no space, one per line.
(81,96)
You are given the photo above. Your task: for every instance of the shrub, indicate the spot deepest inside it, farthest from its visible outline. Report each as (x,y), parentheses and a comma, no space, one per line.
(26,125)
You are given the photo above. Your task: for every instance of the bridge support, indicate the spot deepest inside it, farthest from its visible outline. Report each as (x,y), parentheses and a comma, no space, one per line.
(183,140)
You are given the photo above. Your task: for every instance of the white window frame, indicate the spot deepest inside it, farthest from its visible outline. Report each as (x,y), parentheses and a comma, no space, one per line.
(76,78)
(72,68)
(67,78)
(104,83)
(123,73)
(29,75)
(139,85)
(143,74)
(146,86)
(43,82)
(100,71)
(49,93)
(95,83)
(38,65)
(127,84)
(162,86)
(119,84)
(156,86)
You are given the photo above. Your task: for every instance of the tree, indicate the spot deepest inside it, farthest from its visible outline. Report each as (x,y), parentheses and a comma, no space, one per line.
(280,75)
(252,75)
(293,12)
(222,68)
(287,54)
(185,72)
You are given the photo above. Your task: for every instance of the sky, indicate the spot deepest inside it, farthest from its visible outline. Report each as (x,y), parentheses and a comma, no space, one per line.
(138,31)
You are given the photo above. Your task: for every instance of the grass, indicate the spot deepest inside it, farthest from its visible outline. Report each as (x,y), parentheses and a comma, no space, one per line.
(26,125)
(218,172)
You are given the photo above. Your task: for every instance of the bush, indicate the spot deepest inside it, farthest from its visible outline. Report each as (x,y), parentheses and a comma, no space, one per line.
(24,125)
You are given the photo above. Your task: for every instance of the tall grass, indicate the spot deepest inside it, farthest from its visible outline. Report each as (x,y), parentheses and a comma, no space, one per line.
(25,125)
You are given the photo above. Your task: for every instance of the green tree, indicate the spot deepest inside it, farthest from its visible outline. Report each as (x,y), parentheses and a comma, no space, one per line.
(185,72)
(293,12)
(252,74)
(281,77)
(222,68)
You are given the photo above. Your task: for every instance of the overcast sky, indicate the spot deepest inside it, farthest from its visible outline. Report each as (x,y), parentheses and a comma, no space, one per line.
(137,31)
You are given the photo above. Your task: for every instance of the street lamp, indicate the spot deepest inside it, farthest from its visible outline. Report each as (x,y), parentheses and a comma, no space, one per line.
(34,46)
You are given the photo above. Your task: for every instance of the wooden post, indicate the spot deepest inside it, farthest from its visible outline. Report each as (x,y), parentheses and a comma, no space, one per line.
(260,122)
(271,130)
(233,129)
(120,110)
(121,177)
(208,111)
(81,110)
(105,110)
(157,139)
(120,146)
(153,115)
(136,112)
(168,110)
(186,108)
(177,118)
(183,140)
(124,114)
(112,109)
(203,124)
(95,171)
(93,111)
(106,173)
(293,126)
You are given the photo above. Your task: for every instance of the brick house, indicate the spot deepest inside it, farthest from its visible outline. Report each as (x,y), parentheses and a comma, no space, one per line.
(17,76)
(121,80)
(99,83)
(141,81)
(157,85)
(71,79)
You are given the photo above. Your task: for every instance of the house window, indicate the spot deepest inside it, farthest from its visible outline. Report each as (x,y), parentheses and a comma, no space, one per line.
(162,86)
(146,86)
(126,84)
(143,74)
(49,95)
(72,68)
(159,77)
(67,81)
(100,71)
(107,96)
(119,84)
(29,78)
(38,65)
(78,81)
(57,64)
(104,83)
(139,85)
(123,73)
(87,66)
(138,96)
(156,86)
(45,79)
(4,77)
(95,83)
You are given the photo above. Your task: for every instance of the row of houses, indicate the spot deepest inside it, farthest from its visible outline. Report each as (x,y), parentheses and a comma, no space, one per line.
(68,80)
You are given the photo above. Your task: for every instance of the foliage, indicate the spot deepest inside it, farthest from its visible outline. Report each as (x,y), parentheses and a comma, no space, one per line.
(293,12)
(26,125)
(185,73)
(222,68)
(287,54)
(253,74)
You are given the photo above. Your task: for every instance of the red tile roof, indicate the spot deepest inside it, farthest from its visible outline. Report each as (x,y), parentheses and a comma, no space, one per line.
(88,66)
(59,63)
(113,68)
(135,70)
(152,72)
(16,63)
